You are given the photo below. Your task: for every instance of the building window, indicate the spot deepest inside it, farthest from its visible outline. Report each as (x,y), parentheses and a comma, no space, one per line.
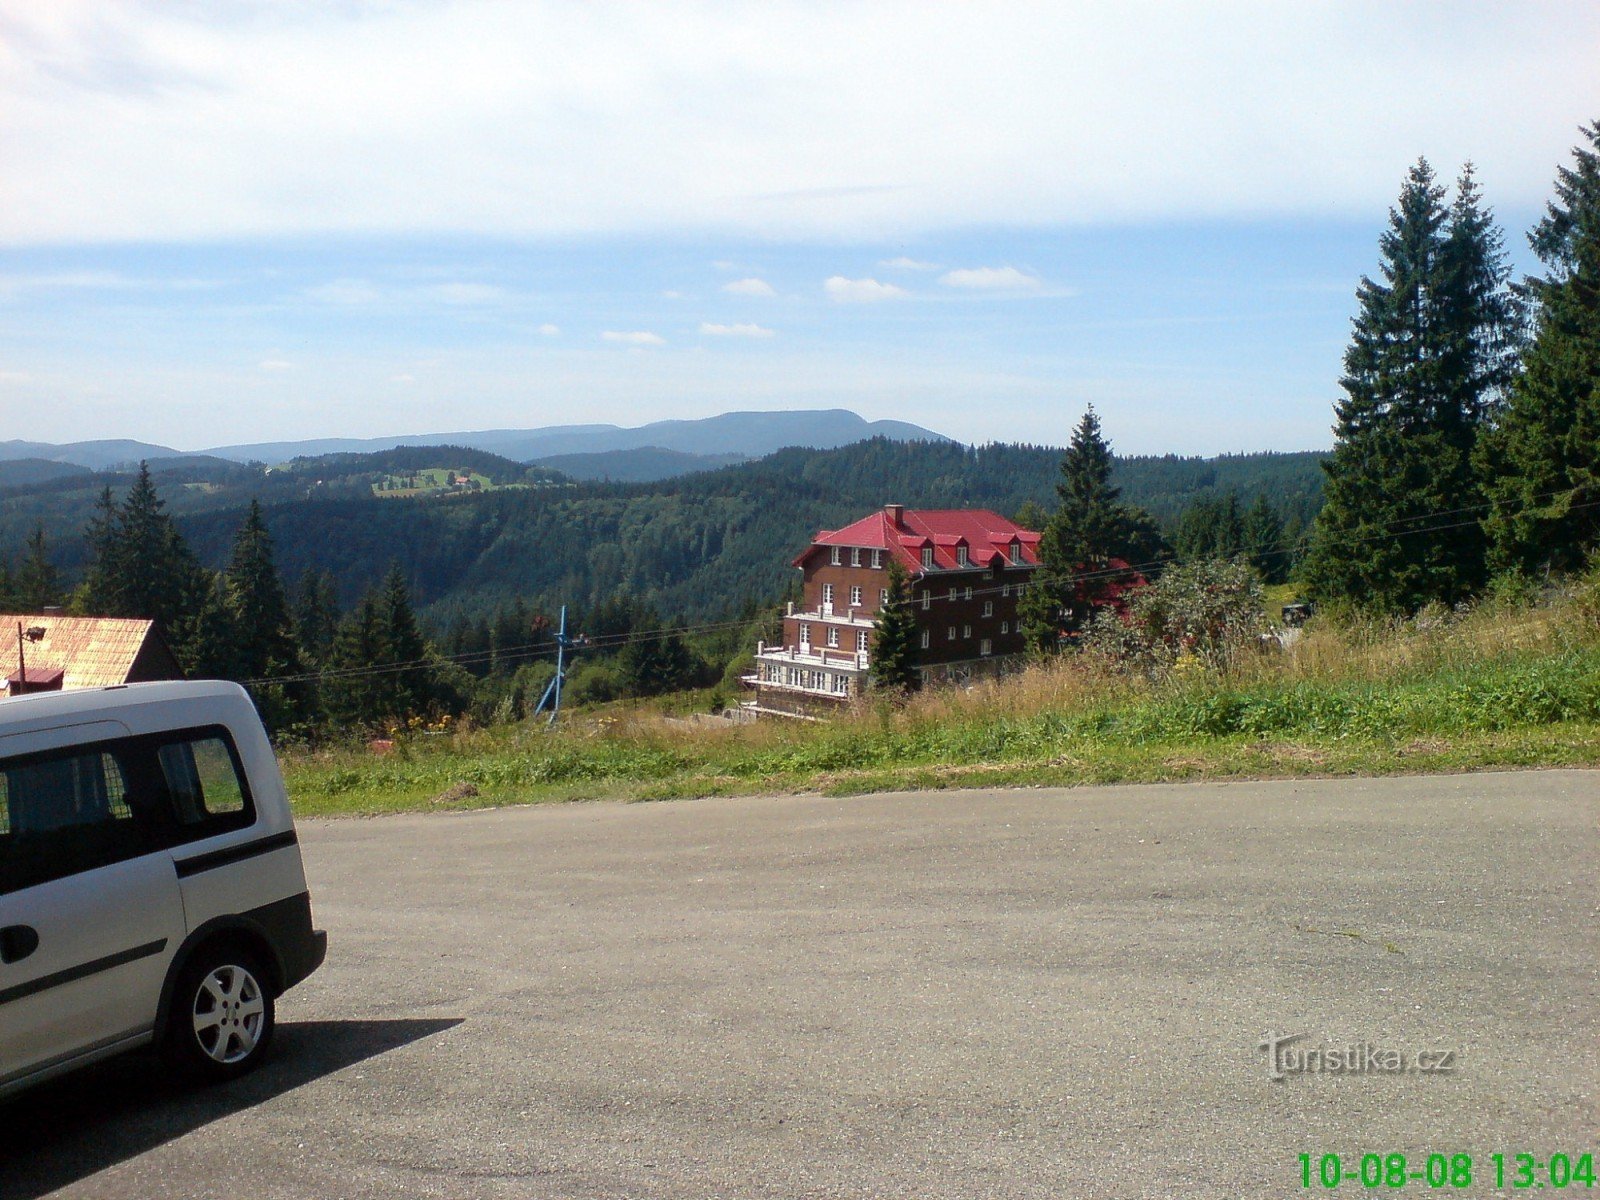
(927,558)
(951,635)
(836,558)
(855,597)
(1005,590)
(966,631)
(833,635)
(855,556)
(927,599)
(877,560)
(861,641)
(924,639)
(969,591)
(883,597)
(988,608)
(985,647)
(805,636)
(961,557)
(1005,626)
(1016,552)
(827,593)
(952,595)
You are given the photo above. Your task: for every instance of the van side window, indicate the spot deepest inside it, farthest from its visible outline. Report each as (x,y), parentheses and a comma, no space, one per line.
(204,787)
(68,812)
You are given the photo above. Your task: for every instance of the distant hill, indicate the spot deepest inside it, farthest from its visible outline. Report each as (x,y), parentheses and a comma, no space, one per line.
(643,465)
(25,472)
(742,434)
(97,456)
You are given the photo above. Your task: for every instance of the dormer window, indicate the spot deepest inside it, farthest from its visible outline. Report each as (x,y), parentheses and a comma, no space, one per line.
(927,558)
(962,560)
(1016,552)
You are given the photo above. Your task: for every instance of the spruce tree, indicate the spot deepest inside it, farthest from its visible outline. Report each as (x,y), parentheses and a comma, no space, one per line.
(1541,461)
(894,647)
(353,693)
(410,689)
(316,616)
(1428,357)
(265,646)
(36,584)
(1264,540)
(1078,542)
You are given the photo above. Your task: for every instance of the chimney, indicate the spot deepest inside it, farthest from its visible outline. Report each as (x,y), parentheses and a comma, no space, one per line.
(896,514)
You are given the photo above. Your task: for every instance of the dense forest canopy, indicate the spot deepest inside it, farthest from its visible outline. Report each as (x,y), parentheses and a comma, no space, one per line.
(695,546)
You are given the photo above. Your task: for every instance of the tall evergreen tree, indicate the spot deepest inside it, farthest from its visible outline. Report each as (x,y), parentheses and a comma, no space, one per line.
(316,616)
(1077,544)
(410,689)
(1428,357)
(354,694)
(1264,540)
(265,646)
(36,584)
(894,647)
(1542,459)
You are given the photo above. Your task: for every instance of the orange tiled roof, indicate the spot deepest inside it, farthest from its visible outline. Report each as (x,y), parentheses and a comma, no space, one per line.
(92,651)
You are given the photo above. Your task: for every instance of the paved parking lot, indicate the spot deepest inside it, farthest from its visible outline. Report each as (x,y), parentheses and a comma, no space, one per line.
(1033,993)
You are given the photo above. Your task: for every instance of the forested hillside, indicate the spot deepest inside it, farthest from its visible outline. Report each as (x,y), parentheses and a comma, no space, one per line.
(697,545)
(706,544)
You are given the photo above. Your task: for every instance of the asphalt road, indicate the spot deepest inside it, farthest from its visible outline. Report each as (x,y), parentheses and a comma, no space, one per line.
(1031,993)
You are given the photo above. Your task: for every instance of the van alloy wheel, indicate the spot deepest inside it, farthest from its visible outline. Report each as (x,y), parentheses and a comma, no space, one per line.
(229,1012)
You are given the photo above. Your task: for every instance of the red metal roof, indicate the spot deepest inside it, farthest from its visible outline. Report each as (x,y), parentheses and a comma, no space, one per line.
(88,651)
(986,534)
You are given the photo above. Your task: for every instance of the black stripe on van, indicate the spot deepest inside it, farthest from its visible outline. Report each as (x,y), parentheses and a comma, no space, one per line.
(45,982)
(232,854)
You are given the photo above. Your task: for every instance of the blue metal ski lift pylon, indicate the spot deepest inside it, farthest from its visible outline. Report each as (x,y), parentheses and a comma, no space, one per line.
(552,694)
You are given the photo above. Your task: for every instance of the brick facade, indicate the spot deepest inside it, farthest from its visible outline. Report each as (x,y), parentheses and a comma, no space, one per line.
(966,570)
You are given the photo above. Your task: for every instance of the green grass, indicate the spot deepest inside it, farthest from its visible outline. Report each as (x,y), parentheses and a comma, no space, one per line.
(1423,710)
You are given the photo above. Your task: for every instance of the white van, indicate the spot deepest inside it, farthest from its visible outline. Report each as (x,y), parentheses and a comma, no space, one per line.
(151,889)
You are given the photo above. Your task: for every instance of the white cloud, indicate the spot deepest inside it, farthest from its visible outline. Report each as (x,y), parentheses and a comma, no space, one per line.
(746,331)
(402,378)
(276,364)
(908,264)
(638,337)
(993,279)
(15,377)
(549,330)
(860,291)
(750,287)
(225,121)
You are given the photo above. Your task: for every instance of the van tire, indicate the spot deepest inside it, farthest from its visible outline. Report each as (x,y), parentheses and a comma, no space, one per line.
(221,1020)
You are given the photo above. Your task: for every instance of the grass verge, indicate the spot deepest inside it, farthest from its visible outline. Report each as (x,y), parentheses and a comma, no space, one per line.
(1496,688)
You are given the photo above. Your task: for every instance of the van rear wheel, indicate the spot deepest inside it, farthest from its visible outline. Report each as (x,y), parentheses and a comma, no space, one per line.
(222,1014)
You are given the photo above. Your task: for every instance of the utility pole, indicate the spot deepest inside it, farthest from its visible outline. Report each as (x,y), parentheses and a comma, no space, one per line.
(552,694)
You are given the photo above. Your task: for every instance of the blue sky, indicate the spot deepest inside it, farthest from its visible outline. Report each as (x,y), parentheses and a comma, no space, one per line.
(236,222)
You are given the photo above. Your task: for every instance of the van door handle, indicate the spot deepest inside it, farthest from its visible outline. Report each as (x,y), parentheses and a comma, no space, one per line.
(17,942)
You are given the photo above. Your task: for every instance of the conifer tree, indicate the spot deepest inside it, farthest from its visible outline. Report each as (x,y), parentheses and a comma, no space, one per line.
(36,584)
(1428,357)
(1542,459)
(1076,545)
(316,617)
(264,645)
(410,689)
(894,648)
(1264,540)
